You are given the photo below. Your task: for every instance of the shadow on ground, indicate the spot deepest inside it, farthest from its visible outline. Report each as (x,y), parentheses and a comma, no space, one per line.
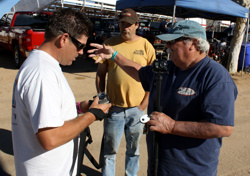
(6,141)
(89,171)
(3,173)
(5,146)
(6,59)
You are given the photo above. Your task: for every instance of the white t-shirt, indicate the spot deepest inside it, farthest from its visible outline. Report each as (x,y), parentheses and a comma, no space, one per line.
(41,98)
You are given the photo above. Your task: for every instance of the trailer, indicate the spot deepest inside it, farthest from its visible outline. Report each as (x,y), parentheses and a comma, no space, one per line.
(91,8)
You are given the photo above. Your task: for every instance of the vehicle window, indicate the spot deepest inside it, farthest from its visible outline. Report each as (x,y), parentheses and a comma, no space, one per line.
(3,20)
(97,25)
(228,30)
(105,24)
(9,18)
(34,20)
(144,24)
(112,25)
(154,26)
(169,25)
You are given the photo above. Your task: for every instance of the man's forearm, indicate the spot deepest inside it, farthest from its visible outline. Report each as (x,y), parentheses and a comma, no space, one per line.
(51,138)
(164,124)
(203,130)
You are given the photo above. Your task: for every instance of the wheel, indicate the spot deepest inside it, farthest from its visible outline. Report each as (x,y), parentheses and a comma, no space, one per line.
(17,57)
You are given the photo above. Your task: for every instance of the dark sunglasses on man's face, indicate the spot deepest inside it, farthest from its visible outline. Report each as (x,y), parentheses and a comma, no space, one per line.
(78,44)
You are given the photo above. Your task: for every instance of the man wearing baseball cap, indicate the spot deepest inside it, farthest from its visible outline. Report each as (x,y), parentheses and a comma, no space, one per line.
(128,98)
(197,100)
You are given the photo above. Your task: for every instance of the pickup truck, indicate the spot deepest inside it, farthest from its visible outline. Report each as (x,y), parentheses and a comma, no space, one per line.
(21,32)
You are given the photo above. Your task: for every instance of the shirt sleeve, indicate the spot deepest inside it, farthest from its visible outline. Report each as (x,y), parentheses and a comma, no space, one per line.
(146,77)
(218,104)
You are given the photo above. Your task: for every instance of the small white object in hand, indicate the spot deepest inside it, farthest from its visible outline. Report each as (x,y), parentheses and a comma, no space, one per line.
(145,118)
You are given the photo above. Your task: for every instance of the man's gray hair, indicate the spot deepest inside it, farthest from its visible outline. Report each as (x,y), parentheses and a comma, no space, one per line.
(202,45)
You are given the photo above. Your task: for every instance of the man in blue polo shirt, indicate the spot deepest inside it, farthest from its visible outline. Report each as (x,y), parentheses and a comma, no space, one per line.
(197,99)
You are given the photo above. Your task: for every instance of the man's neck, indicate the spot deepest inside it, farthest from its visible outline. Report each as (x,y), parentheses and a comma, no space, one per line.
(194,61)
(49,48)
(134,38)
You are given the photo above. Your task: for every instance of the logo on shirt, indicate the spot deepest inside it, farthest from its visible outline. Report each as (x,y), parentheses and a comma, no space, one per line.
(186,91)
(140,52)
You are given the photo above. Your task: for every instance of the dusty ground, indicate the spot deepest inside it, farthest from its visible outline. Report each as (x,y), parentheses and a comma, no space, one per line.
(235,152)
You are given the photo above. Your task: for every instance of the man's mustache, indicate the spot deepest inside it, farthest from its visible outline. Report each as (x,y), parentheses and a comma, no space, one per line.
(169,51)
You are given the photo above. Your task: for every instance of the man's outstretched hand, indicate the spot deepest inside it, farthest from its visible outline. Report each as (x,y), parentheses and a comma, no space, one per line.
(101,51)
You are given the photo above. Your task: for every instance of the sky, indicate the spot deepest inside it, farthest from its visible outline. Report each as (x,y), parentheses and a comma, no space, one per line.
(6,5)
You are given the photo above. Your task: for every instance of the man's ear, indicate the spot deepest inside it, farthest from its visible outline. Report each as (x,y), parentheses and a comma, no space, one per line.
(137,25)
(195,41)
(194,44)
(63,39)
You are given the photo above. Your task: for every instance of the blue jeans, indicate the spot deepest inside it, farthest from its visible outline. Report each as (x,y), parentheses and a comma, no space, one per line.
(119,120)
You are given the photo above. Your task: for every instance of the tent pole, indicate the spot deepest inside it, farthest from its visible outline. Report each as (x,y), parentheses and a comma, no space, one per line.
(244,55)
(173,20)
(38,5)
(115,19)
(62,3)
(213,32)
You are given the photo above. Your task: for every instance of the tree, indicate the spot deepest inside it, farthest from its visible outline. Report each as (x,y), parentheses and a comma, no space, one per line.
(237,39)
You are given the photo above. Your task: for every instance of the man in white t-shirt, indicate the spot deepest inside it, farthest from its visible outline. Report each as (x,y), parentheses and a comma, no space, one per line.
(44,123)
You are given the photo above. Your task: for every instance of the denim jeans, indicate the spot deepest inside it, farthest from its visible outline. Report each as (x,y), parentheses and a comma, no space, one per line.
(121,120)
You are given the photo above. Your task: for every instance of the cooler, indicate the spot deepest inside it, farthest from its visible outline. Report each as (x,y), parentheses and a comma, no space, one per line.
(247,56)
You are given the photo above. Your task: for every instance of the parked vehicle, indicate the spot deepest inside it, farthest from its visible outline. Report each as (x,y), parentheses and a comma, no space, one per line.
(220,44)
(229,31)
(103,28)
(219,51)
(148,30)
(21,32)
(107,26)
(146,27)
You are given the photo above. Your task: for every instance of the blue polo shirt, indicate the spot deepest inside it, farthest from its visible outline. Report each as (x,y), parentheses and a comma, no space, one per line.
(204,92)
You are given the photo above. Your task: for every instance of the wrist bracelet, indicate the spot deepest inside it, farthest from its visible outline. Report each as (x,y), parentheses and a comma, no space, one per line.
(114,55)
(78,107)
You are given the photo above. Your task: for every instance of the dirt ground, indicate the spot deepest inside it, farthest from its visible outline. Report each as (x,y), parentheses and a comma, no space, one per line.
(235,152)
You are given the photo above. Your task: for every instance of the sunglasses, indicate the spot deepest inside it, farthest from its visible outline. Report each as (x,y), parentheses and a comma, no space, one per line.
(176,40)
(78,44)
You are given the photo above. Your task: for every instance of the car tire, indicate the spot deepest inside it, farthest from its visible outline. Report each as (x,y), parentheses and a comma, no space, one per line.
(17,57)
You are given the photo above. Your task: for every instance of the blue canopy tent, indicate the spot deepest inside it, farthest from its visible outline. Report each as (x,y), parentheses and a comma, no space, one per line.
(208,9)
